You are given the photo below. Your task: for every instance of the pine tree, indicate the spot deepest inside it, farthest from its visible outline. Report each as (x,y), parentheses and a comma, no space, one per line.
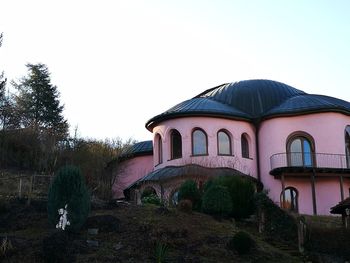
(38,102)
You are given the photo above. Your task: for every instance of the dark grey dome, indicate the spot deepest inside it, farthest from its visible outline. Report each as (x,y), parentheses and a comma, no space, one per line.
(252,100)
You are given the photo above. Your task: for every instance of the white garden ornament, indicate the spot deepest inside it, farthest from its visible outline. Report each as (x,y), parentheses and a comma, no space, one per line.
(63,222)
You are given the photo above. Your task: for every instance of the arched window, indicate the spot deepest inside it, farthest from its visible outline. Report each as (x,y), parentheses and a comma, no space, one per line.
(289,199)
(347,145)
(224,143)
(245,146)
(176,144)
(199,142)
(300,151)
(160,149)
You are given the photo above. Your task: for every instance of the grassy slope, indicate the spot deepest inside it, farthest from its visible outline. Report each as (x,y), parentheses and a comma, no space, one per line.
(189,237)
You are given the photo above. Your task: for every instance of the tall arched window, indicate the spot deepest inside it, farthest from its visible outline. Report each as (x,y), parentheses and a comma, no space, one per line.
(290,199)
(245,146)
(300,151)
(199,142)
(224,143)
(160,148)
(347,145)
(176,144)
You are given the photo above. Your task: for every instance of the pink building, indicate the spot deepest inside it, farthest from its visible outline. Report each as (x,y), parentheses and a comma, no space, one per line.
(293,144)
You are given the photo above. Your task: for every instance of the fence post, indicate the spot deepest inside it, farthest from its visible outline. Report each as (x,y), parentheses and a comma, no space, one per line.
(20,188)
(30,189)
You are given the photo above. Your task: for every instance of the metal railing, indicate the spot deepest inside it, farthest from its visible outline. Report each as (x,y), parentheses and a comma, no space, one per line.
(310,160)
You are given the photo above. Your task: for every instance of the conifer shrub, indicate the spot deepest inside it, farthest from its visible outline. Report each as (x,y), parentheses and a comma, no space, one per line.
(189,190)
(185,206)
(69,188)
(217,201)
(241,242)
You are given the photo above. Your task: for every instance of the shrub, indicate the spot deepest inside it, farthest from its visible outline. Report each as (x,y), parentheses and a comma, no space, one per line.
(185,206)
(189,190)
(148,192)
(151,199)
(217,201)
(242,192)
(241,242)
(68,188)
(278,223)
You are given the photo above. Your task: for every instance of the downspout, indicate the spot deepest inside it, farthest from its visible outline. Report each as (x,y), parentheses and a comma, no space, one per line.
(256,124)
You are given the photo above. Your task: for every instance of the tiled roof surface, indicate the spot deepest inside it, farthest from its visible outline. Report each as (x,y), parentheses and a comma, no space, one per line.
(252,100)
(340,208)
(137,149)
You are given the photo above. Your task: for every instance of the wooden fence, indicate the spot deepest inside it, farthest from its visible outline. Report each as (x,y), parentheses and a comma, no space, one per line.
(24,186)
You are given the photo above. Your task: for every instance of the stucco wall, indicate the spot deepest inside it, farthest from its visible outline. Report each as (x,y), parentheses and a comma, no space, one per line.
(327,130)
(130,171)
(211,126)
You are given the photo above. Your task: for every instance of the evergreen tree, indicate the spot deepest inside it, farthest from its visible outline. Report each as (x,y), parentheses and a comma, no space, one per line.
(38,102)
(40,111)
(69,189)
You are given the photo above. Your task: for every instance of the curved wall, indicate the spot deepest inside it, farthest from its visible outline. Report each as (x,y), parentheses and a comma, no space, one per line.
(211,126)
(327,130)
(130,171)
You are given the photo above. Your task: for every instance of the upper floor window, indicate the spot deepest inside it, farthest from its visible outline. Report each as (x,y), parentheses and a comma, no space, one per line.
(245,145)
(160,148)
(347,145)
(224,143)
(289,199)
(199,142)
(300,151)
(176,144)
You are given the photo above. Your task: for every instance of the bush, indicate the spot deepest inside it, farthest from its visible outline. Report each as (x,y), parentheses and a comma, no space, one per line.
(241,242)
(148,191)
(151,199)
(189,190)
(68,188)
(242,193)
(278,223)
(185,206)
(217,201)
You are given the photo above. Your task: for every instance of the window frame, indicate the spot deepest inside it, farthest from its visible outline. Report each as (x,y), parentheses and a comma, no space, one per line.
(303,136)
(159,149)
(246,138)
(206,141)
(229,140)
(172,157)
(296,198)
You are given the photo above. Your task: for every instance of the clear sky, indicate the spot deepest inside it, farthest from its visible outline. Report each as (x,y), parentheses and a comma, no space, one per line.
(119,63)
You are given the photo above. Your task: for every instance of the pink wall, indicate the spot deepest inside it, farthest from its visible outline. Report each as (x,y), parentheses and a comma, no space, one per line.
(211,126)
(130,171)
(327,130)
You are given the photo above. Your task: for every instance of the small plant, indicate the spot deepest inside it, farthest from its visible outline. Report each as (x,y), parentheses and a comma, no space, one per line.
(189,190)
(69,190)
(242,192)
(151,199)
(161,251)
(241,242)
(185,206)
(217,201)
(5,247)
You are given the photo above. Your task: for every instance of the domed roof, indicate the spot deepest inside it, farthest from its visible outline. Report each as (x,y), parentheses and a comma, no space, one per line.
(252,100)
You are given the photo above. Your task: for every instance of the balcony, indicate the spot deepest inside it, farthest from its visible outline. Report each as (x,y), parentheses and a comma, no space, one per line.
(302,163)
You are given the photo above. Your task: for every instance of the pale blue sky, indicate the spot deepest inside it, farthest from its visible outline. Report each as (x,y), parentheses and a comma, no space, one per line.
(119,63)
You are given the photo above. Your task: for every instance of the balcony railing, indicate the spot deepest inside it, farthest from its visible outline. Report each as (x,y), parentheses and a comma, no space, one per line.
(310,160)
